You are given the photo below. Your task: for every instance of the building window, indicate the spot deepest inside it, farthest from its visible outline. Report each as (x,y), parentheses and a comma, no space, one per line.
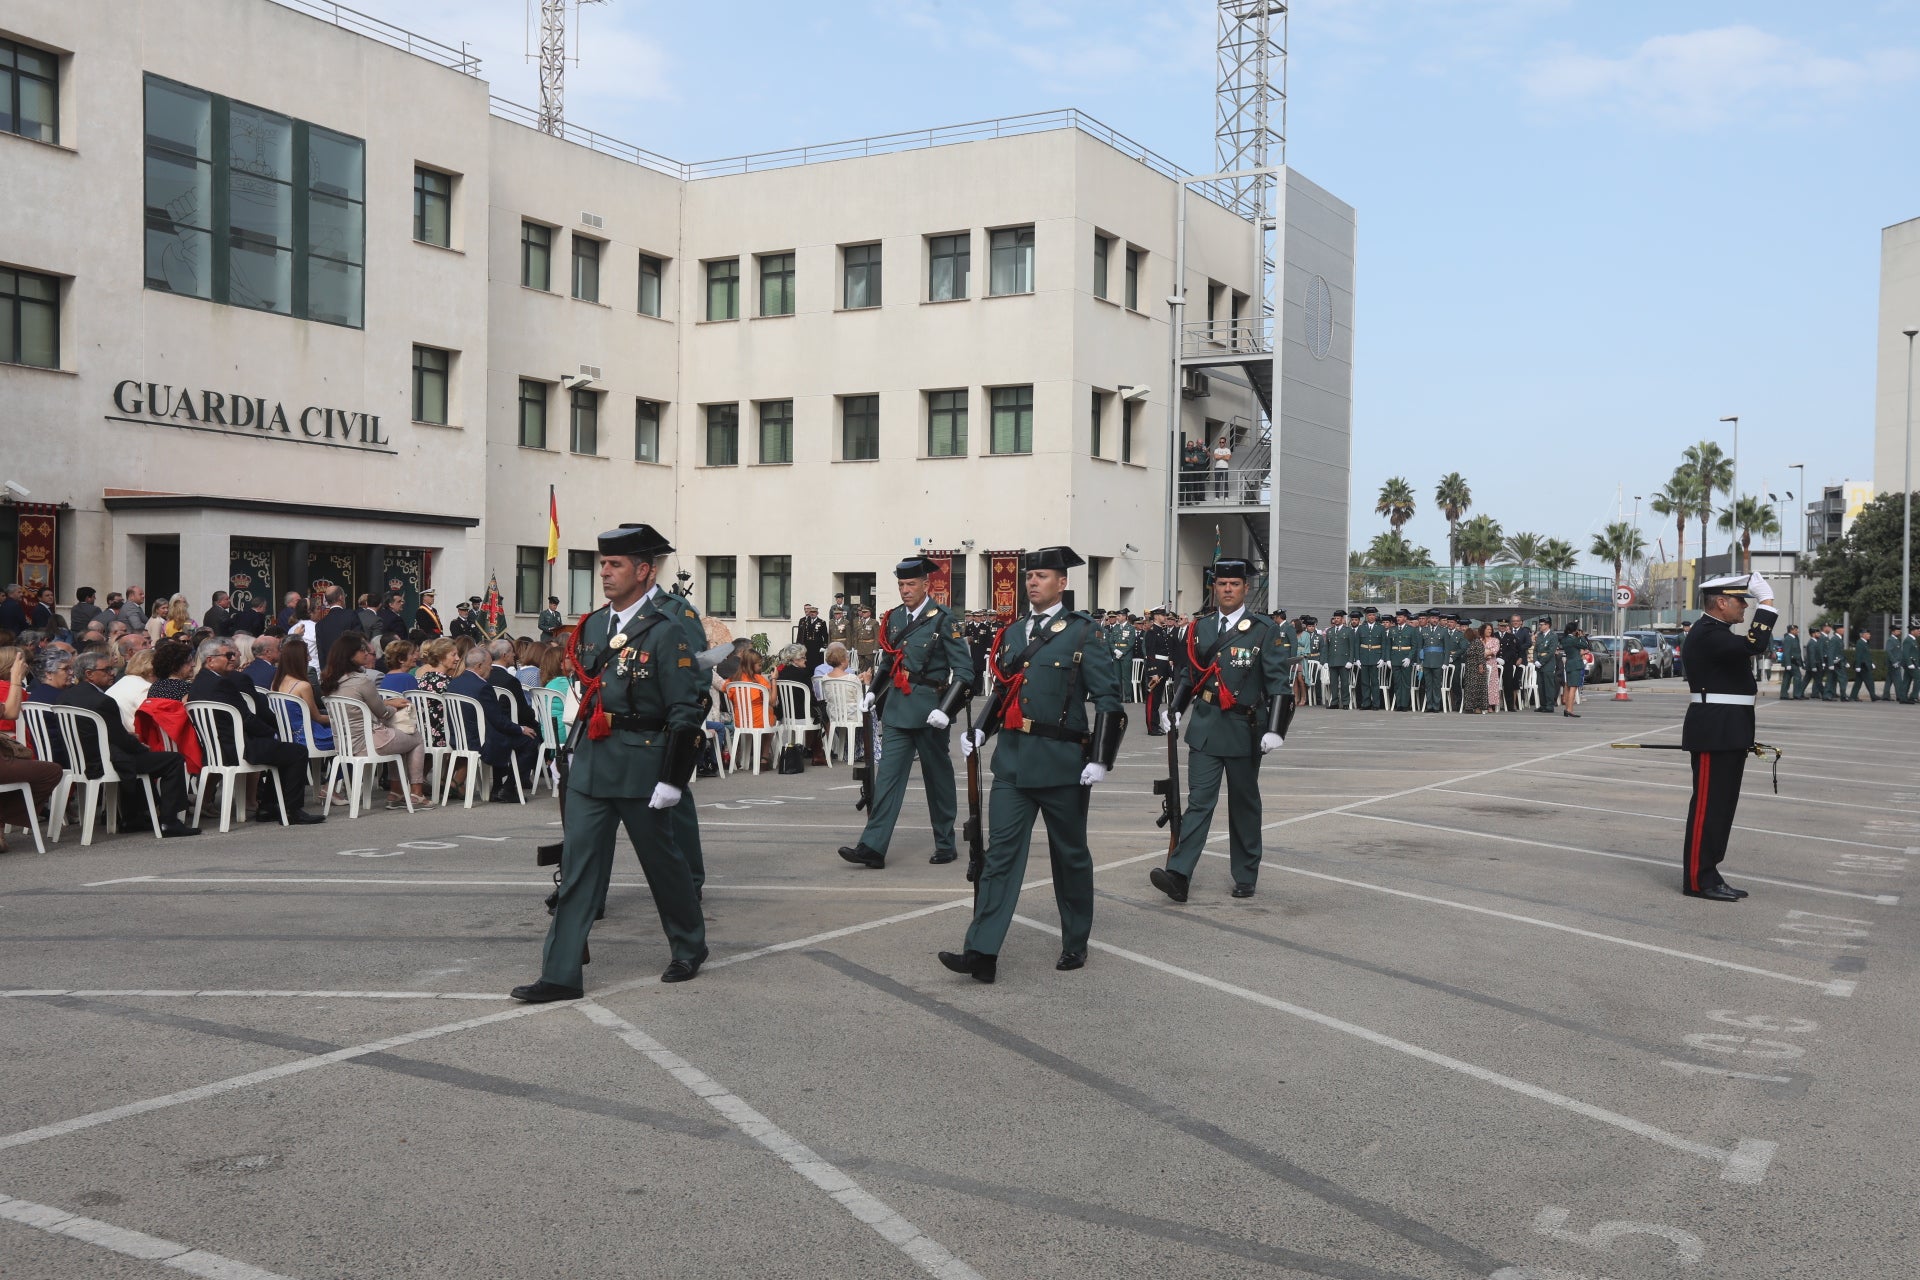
(776,284)
(948,259)
(646,431)
(1102,250)
(1012,420)
(430,367)
(723,435)
(947,424)
(651,269)
(583,423)
(1133,279)
(29,319)
(586,268)
(432,207)
(29,92)
(776,586)
(723,290)
(859,428)
(862,265)
(1127,410)
(1099,419)
(536,256)
(581,595)
(249,208)
(527,565)
(1012,267)
(776,436)
(1096,570)
(720,586)
(533,414)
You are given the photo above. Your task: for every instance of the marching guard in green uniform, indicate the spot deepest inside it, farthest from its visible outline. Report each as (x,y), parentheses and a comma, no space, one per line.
(1370,645)
(1403,651)
(921,678)
(634,751)
(1908,690)
(1793,667)
(1829,668)
(1233,692)
(1337,649)
(1047,666)
(1862,667)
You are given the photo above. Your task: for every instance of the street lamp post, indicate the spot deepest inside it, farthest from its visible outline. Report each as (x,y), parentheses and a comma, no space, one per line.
(1733,496)
(1799,561)
(1906,492)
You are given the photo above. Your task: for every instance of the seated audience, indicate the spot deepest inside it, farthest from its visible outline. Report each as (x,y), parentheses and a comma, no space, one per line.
(130,757)
(350,674)
(505,744)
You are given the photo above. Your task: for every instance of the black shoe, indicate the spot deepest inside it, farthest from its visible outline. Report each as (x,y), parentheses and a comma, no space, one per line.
(1738,893)
(542,992)
(1571,715)
(266,815)
(175,830)
(683,970)
(1072,960)
(943,856)
(1719,893)
(980,966)
(505,795)
(301,818)
(1171,883)
(864,856)
(586,955)
(553,900)
(1243,891)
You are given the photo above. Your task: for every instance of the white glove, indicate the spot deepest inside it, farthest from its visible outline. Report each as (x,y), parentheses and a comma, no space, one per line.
(866,702)
(971,742)
(1270,742)
(1093,773)
(1757,588)
(665,796)
(1168,721)
(1405,662)
(937,719)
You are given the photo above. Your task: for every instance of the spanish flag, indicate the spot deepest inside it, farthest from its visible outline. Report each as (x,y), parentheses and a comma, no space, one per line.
(553,526)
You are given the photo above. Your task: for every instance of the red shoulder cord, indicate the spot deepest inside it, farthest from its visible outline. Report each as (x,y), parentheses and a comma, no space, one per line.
(900,678)
(599,723)
(1010,716)
(1213,672)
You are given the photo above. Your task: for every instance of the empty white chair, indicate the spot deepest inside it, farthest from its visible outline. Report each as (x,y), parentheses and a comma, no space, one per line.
(842,695)
(1139,665)
(75,729)
(741,700)
(33,819)
(796,714)
(210,721)
(295,719)
(356,758)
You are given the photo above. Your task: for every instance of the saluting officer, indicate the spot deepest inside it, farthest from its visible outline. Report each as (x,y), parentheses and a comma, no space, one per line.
(1157,645)
(1403,650)
(1232,689)
(641,706)
(1337,647)
(922,679)
(1047,667)
(1718,731)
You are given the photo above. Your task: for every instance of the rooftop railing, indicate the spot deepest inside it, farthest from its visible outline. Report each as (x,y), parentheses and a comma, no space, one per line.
(1239,336)
(591,140)
(388,34)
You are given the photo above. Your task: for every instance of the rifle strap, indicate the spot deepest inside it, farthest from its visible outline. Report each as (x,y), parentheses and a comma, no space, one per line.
(1010,716)
(896,652)
(1210,669)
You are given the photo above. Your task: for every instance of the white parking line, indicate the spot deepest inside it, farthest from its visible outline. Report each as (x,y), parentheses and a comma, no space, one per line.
(1746,1163)
(132,1244)
(105,993)
(1748,794)
(929,1254)
(522,884)
(1883,899)
(1667,817)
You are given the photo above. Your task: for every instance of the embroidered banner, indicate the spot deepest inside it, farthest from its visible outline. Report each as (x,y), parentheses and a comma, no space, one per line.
(36,529)
(1005,582)
(940,582)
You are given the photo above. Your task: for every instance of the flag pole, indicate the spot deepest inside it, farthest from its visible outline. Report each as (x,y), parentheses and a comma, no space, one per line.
(552,524)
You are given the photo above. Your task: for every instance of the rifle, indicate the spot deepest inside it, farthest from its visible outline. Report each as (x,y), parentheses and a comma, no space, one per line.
(1759,749)
(976,844)
(863,772)
(1168,788)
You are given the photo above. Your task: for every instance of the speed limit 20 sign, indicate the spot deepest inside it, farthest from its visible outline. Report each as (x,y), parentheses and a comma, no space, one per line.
(1622,595)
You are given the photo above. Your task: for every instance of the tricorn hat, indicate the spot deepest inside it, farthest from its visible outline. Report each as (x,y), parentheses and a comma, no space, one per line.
(1231,567)
(914,566)
(640,541)
(1061,558)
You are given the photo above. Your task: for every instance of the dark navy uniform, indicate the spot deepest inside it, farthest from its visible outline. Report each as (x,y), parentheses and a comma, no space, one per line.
(1718,733)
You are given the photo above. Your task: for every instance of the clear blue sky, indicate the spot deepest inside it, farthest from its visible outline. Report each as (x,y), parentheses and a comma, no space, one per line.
(1587,230)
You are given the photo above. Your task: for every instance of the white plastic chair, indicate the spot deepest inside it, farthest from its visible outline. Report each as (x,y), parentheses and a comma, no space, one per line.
(796,714)
(33,819)
(73,728)
(295,719)
(741,697)
(547,709)
(1383,681)
(465,736)
(1138,667)
(356,758)
(209,720)
(842,695)
(1530,685)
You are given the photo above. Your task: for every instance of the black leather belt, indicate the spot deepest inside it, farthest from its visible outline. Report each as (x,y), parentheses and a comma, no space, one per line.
(638,724)
(1054,732)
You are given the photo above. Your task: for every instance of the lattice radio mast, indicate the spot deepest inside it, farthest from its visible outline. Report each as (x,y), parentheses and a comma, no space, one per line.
(1250,116)
(553,58)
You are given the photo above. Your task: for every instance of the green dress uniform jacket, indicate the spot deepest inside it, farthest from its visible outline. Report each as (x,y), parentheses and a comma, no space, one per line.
(1340,653)
(1909,659)
(1036,775)
(1370,644)
(650,683)
(1546,652)
(1862,667)
(1228,742)
(550,622)
(933,650)
(1403,651)
(1432,660)
(1790,664)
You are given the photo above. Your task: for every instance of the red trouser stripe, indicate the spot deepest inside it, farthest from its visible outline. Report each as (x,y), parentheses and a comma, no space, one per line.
(1704,764)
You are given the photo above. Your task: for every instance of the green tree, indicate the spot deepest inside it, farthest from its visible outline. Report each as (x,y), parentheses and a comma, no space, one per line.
(1522,549)
(1679,500)
(1395,502)
(1453,497)
(1393,551)
(1715,472)
(1749,515)
(1860,573)
(1619,544)
(1479,541)
(1557,556)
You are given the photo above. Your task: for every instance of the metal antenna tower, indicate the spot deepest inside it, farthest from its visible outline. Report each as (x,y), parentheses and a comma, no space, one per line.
(1250,104)
(554,58)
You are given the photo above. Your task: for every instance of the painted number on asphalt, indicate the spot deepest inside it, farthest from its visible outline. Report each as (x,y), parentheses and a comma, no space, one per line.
(415,845)
(1745,1046)
(1601,1237)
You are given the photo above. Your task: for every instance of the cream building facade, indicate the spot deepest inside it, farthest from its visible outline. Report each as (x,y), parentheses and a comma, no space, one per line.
(332,313)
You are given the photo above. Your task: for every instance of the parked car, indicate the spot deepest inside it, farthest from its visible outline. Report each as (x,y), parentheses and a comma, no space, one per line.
(1606,651)
(1661,655)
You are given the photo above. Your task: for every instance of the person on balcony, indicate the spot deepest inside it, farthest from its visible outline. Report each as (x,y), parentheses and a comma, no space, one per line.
(1222,465)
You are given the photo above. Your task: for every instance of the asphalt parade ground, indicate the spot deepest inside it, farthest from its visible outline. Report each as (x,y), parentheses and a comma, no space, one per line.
(1468,1027)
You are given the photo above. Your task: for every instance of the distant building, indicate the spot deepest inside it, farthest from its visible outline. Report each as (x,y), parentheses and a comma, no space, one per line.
(1839,506)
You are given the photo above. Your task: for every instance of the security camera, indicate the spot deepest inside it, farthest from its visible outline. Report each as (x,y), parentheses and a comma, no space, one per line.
(18,490)
(1130,547)
(1134,393)
(574,381)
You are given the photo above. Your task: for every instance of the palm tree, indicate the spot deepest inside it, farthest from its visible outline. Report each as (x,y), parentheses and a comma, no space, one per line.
(1620,544)
(1678,498)
(1557,556)
(1478,541)
(1396,502)
(1715,471)
(1393,551)
(1522,549)
(1453,497)
(1749,515)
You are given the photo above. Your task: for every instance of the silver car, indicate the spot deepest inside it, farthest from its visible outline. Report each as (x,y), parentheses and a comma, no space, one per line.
(1661,655)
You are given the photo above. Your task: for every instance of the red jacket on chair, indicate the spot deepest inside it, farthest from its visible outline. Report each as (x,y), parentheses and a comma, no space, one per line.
(158,716)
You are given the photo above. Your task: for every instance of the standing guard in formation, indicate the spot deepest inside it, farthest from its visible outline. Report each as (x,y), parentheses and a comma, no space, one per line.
(1284,631)
(1046,667)
(1338,650)
(1370,650)
(1433,661)
(1546,657)
(636,743)
(1233,691)
(1157,645)
(811,634)
(923,677)
(1718,732)
(1120,638)
(1403,652)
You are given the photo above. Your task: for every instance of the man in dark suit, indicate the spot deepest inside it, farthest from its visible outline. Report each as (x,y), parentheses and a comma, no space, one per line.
(251,619)
(218,613)
(84,610)
(130,757)
(505,744)
(221,680)
(464,624)
(392,625)
(812,632)
(500,676)
(266,662)
(284,618)
(338,622)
